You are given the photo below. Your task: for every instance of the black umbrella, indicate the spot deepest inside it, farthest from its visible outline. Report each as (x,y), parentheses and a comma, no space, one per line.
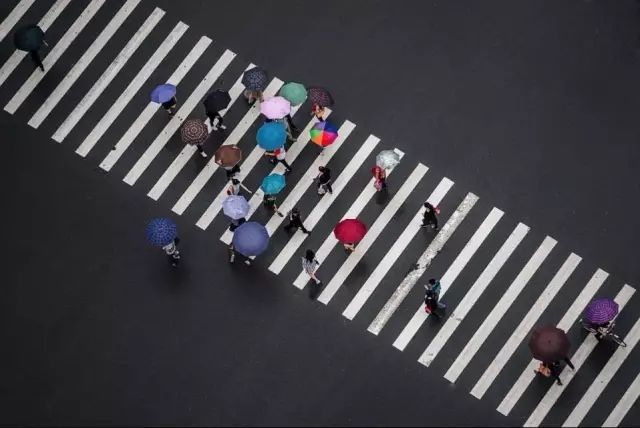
(28,38)
(320,96)
(217,100)
(255,79)
(549,344)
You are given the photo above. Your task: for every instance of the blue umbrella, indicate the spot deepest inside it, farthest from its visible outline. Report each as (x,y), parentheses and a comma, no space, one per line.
(272,184)
(163,93)
(250,239)
(235,207)
(161,231)
(271,135)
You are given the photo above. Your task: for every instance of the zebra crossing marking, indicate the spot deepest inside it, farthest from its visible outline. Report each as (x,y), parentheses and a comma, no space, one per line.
(14,16)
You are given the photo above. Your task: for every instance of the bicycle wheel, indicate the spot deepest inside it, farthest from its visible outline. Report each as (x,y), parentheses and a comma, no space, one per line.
(617,339)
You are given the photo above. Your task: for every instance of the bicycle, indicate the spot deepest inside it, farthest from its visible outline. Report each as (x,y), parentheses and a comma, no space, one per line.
(604,332)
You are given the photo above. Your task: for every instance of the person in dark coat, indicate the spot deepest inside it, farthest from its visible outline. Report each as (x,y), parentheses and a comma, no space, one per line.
(432,297)
(324,180)
(430,218)
(295,221)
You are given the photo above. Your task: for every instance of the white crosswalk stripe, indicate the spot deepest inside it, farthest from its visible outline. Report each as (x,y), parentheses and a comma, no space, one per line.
(14,16)
(81,65)
(565,324)
(567,375)
(138,125)
(356,208)
(54,55)
(618,414)
(395,252)
(423,264)
(324,204)
(161,140)
(46,21)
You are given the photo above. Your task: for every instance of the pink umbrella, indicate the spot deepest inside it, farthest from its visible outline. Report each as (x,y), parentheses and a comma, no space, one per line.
(275,107)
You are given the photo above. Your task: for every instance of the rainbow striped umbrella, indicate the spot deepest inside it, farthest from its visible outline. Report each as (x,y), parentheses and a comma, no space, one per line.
(324,133)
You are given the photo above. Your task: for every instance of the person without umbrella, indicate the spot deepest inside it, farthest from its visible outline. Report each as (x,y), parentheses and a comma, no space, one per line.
(431,298)
(295,221)
(269,202)
(430,218)
(324,180)
(310,265)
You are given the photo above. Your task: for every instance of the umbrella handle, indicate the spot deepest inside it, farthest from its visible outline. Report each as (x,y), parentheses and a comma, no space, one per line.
(44,42)
(243,186)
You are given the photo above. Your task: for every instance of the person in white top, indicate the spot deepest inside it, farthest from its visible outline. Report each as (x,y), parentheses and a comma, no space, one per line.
(280,155)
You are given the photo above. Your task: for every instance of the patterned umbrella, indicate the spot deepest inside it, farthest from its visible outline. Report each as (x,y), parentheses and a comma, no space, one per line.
(194,131)
(161,231)
(601,310)
(250,239)
(320,96)
(273,184)
(28,38)
(275,107)
(255,79)
(163,93)
(324,133)
(217,100)
(271,135)
(228,155)
(387,159)
(235,207)
(350,230)
(296,93)
(549,344)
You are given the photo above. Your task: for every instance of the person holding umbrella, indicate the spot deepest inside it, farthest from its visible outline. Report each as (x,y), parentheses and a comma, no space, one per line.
(162,232)
(599,314)
(255,81)
(165,95)
(236,208)
(229,157)
(194,132)
(349,232)
(550,345)
(320,98)
(296,94)
(216,101)
(250,239)
(272,185)
(30,38)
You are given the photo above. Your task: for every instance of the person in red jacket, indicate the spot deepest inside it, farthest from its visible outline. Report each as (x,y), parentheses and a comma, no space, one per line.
(380,176)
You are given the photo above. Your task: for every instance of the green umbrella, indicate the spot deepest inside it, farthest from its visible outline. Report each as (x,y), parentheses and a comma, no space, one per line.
(28,38)
(294,92)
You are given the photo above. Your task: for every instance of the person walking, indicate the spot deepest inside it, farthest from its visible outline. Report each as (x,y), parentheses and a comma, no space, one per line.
(232,256)
(295,221)
(279,155)
(171,105)
(235,223)
(200,148)
(431,298)
(269,202)
(380,176)
(35,57)
(549,370)
(318,112)
(252,96)
(293,129)
(172,252)
(324,180)
(430,218)
(310,266)
(349,247)
(215,119)
(231,171)
(234,187)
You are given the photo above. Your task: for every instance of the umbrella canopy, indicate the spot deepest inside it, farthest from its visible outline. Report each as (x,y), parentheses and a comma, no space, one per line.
(324,133)
(194,131)
(273,184)
(161,231)
(250,239)
(235,207)
(387,159)
(549,344)
(320,96)
(275,107)
(229,155)
(601,311)
(271,135)
(294,92)
(28,38)
(350,230)
(163,93)
(255,79)
(217,100)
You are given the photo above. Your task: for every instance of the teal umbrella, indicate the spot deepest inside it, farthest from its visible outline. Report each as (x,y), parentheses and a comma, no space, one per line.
(272,184)
(271,135)
(294,92)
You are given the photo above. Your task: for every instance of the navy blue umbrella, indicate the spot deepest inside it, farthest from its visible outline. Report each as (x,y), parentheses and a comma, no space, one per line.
(161,231)
(255,79)
(251,239)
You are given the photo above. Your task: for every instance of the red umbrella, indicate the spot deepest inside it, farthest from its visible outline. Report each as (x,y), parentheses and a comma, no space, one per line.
(350,231)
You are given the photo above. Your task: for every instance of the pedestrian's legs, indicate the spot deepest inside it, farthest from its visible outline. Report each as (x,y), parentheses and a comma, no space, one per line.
(289,226)
(201,150)
(292,126)
(286,164)
(315,278)
(569,363)
(304,229)
(328,186)
(35,57)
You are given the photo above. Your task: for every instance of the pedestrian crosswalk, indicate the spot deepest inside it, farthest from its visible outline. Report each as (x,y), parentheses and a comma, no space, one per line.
(500,278)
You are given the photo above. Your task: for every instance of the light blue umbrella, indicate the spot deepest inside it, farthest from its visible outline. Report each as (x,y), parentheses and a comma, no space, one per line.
(250,239)
(161,231)
(235,207)
(273,184)
(271,135)
(163,93)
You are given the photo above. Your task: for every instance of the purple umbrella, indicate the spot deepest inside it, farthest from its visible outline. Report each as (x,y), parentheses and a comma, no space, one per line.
(250,239)
(235,207)
(163,93)
(601,310)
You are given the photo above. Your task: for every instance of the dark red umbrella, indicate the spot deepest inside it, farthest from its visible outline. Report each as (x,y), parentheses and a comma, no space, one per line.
(350,231)
(549,344)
